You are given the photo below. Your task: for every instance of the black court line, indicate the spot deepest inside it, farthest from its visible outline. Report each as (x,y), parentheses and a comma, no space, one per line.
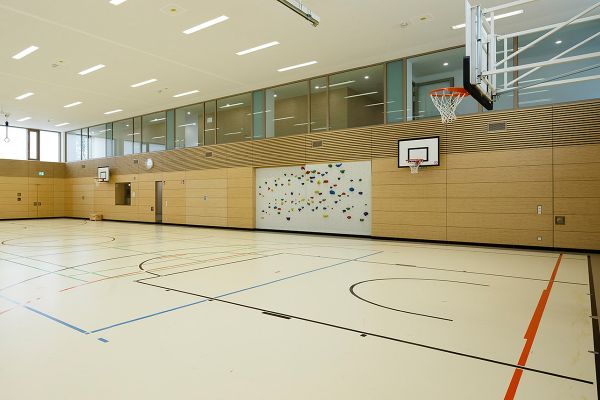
(361,332)
(595,326)
(37,244)
(444,269)
(353,292)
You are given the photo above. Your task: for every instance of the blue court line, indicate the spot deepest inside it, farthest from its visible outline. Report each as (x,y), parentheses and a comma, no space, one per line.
(43,314)
(103,340)
(216,297)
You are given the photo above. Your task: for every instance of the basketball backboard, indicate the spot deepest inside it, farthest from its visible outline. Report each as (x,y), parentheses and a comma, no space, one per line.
(426,149)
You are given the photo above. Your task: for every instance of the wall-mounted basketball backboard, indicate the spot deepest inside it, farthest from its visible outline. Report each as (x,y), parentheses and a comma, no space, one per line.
(103,174)
(425,149)
(482,63)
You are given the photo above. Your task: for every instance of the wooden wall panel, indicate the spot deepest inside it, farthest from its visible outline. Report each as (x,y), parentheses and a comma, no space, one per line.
(385,137)
(241,198)
(345,145)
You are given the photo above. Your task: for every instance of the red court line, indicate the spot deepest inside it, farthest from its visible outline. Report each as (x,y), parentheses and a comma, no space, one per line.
(529,337)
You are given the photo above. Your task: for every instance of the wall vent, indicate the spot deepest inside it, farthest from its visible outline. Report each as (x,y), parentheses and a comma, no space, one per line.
(82,165)
(496,127)
(317,143)
(208,154)
(136,161)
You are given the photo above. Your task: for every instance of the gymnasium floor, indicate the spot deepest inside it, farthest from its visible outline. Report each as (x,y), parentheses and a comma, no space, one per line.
(109,310)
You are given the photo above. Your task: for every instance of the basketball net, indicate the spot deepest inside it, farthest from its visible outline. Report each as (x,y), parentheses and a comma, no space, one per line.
(414,165)
(446,100)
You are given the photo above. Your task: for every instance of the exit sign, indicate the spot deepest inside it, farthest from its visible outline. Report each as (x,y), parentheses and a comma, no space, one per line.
(41,173)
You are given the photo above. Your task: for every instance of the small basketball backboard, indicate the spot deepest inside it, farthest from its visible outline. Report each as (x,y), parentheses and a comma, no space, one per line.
(103,174)
(426,149)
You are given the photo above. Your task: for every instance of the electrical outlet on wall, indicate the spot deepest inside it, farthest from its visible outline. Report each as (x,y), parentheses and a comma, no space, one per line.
(539,238)
(539,210)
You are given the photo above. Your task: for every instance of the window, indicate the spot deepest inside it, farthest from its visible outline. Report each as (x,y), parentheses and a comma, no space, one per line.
(16,146)
(33,144)
(97,141)
(434,71)
(49,146)
(137,135)
(210,122)
(123,194)
(234,119)
(318,104)
(395,97)
(356,98)
(73,146)
(154,132)
(506,100)
(287,109)
(84,144)
(560,41)
(258,114)
(123,137)
(189,126)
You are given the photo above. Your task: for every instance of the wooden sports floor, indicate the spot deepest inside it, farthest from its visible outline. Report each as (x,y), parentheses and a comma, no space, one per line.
(110,310)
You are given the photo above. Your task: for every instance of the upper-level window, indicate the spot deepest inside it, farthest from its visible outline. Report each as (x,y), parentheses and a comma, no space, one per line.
(287,109)
(234,118)
(16,146)
(154,132)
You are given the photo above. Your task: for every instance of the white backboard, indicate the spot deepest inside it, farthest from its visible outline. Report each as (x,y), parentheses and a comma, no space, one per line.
(426,149)
(103,174)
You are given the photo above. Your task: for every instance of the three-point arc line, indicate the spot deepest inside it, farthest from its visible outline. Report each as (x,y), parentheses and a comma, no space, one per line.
(530,334)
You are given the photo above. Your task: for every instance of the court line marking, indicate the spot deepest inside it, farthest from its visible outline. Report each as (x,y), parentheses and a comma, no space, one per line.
(417,344)
(202,301)
(530,334)
(43,314)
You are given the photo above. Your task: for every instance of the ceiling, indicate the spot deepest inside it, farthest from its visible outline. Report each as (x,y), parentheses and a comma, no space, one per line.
(140,40)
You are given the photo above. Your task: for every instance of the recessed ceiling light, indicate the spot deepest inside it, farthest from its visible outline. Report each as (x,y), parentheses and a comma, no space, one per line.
(24,96)
(500,16)
(143,83)
(274,95)
(72,104)
(63,124)
(558,42)
(366,76)
(186,93)
(445,64)
(24,119)
(206,24)
(113,111)
(306,64)
(189,113)
(92,69)
(117,2)
(257,48)
(25,53)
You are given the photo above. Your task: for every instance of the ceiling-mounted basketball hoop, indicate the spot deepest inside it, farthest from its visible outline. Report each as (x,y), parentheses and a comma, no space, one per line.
(481,67)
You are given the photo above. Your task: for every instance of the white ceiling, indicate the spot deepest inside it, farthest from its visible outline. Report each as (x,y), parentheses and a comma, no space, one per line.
(137,41)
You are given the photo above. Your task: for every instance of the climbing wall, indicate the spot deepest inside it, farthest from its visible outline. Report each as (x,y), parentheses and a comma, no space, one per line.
(333,197)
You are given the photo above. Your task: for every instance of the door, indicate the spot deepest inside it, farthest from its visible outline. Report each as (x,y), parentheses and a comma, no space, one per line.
(158,201)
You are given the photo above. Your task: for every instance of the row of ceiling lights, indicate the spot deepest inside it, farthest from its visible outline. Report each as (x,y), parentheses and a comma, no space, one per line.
(196,28)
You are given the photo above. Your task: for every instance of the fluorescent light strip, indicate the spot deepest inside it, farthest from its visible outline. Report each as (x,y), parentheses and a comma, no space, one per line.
(534,101)
(497,17)
(186,93)
(92,69)
(231,133)
(157,119)
(73,104)
(342,83)
(24,96)
(282,118)
(358,95)
(25,53)
(232,105)
(144,83)
(374,104)
(535,92)
(182,126)
(158,137)
(63,124)
(117,2)
(306,64)
(257,48)
(113,111)
(24,119)
(206,24)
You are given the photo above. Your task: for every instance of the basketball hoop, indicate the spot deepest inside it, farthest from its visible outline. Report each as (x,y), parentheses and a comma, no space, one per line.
(414,165)
(446,100)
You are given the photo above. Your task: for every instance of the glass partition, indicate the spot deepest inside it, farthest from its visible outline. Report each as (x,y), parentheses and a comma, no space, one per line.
(356,98)
(73,146)
(189,126)
(287,109)
(395,96)
(210,122)
(258,114)
(16,147)
(49,146)
(97,141)
(85,144)
(530,95)
(154,132)
(123,137)
(434,71)
(234,119)
(318,104)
